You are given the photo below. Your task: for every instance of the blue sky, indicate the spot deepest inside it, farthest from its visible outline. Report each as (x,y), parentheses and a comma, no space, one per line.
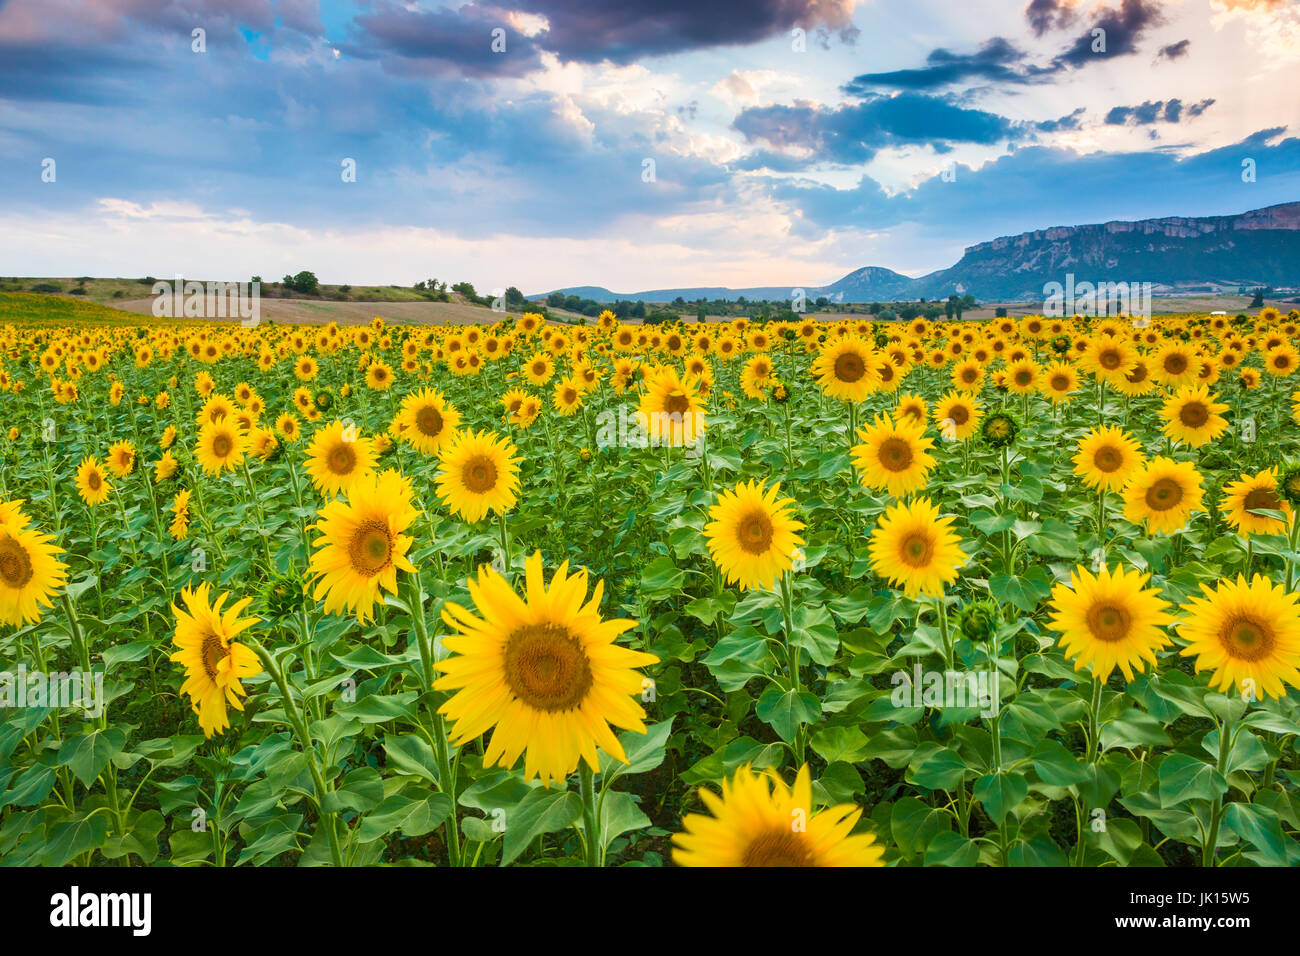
(791,140)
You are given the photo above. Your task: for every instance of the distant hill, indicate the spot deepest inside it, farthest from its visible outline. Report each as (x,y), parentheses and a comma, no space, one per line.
(1174,254)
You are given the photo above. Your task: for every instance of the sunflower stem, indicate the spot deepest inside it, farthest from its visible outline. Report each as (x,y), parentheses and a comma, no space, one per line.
(329,819)
(1216,810)
(590,815)
(1094,721)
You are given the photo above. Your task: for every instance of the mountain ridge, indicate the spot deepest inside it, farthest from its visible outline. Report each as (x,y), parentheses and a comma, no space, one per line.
(1259,247)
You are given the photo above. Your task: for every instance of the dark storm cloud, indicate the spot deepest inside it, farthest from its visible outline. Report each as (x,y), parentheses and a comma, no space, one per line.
(1156,111)
(854,133)
(996,61)
(1124,26)
(1174,50)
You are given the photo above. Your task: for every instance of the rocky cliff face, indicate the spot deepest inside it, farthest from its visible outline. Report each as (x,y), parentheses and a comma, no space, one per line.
(1260,247)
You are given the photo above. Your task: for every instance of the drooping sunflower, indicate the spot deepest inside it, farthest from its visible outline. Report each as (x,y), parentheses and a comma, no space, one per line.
(1163,493)
(957,416)
(214,663)
(362,545)
(30,572)
(915,549)
(179,528)
(1247,634)
(846,369)
(91,483)
(1192,416)
(752,534)
(893,455)
(220,446)
(165,467)
(430,420)
(121,458)
(1255,493)
(1107,456)
(541,671)
(758,821)
(1110,620)
(338,457)
(479,473)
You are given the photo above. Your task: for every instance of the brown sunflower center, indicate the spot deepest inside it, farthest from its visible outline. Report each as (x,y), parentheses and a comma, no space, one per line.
(1109,359)
(212,653)
(777,847)
(429,421)
(1263,499)
(1024,377)
(676,403)
(342,459)
(754,532)
(1247,638)
(1175,364)
(1194,414)
(1108,622)
(1108,458)
(849,367)
(1164,494)
(371,548)
(969,375)
(222,445)
(1138,375)
(960,414)
(1060,383)
(15,563)
(547,668)
(895,454)
(916,550)
(479,474)
(93,481)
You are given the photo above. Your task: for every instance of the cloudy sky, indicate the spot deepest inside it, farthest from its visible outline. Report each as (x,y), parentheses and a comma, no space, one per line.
(632,144)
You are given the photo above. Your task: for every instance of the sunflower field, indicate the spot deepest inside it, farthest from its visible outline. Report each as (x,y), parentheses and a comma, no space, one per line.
(823,593)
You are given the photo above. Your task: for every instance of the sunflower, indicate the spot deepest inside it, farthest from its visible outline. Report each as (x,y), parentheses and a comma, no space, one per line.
(1174,365)
(539,369)
(1247,634)
(164,467)
(911,408)
(1257,493)
(671,411)
(1107,456)
(568,396)
(968,375)
(1138,380)
(214,663)
(1163,493)
(29,571)
(846,369)
(1110,620)
(91,483)
(121,458)
(757,377)
(542,671)
(957,416)
(338,457)
(429,419)
(1022,376)
(180,526)
(893,456)
(288,428)
(220,446)
(1058,382)
(1192,416)
(1108,359)
(916,549)
(1281,360)
(305,368)
(479,473)
(758,821)
(379,376)
(362,547)
(752,534)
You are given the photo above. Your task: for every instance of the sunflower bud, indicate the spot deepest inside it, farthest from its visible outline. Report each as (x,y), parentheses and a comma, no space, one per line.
(324,400)
(1289,485)
(999,430)
(979,620)
(284,595)
(1061,344)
